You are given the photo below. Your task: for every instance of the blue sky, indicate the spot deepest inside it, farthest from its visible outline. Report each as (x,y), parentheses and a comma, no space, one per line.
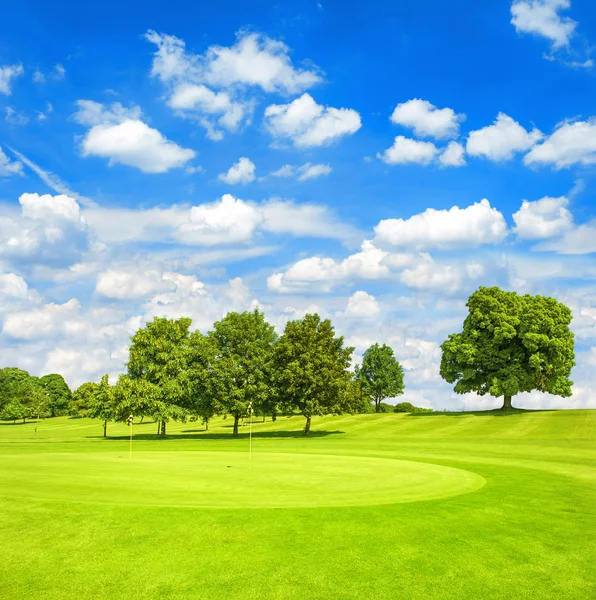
(376,162)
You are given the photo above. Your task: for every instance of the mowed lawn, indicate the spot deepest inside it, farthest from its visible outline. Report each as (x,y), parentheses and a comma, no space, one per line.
(389,506)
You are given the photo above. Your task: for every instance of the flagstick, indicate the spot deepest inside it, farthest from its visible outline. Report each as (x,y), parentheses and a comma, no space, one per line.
(250,437)
(130,445)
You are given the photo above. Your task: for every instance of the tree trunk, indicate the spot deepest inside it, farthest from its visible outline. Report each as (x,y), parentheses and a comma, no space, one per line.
(236,419)
(105,429)
(206,424)
(158,426)
(163,429)
(307,426)
(377,405)
(24,419)
(274,416)
(142,417)
(263,418)
(506,402)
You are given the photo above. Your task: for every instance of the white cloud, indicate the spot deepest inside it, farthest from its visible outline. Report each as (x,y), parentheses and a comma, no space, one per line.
(304,172)
(430,275)
(47,321)
(309,124)
(8,167)
(49,229)
(579,240)
(406,150)
(14,117)
(229,220)
(362,304)
(324,273)
(132,284)
(15,293)
(570,144)
(501,140)
(7,74)
(426,119)
(476,224)
(310,171)
(118,134)
(453,155)
(241,172)
(541,17)
(543,218)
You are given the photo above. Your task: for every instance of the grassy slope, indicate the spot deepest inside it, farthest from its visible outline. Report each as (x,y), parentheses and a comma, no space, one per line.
(528,533)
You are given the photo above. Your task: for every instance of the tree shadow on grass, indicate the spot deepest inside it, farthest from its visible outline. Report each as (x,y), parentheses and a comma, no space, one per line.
(496,412)
(193,434)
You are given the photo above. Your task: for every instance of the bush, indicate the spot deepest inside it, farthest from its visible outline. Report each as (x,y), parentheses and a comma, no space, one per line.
(407,407)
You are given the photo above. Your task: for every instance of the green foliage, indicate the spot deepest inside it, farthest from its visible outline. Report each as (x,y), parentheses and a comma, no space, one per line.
(21,395)
(58,392)
(407,407)
(237,365)
(380,375)
(103,406)
(312,368)
(511,344)
(83,399)
(158,357)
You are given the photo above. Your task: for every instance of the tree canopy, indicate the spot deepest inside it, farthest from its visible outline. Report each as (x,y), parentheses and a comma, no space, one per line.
(312,368)
(380,375)
(58,393)
(511,344)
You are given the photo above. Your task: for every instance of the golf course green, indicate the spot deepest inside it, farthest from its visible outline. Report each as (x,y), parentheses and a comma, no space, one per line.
(495,505)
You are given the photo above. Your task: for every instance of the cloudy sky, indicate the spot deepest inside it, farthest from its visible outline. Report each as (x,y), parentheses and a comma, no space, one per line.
(375,163)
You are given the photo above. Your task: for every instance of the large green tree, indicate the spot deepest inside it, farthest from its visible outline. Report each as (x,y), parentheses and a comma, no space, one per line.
(312,368)
(82,399)
(158,357)
(510,344)
(240,375)
(11,406)
(58,393)
(380,375)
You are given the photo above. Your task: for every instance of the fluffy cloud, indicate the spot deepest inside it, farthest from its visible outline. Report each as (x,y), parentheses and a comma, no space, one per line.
(15,293)
(541,17)
(7,74)
(453,155)
(362,304)
(8,167)
(578,240)
(426,119)
(49,229)
(253,61)
(47,321)
(132,284)
(501,140)
(543,218)
(241,172)
(323,273)
(476,224)
(229,220)
(570,144)
(405,150)
(118,134)
(309,124)
(430,275)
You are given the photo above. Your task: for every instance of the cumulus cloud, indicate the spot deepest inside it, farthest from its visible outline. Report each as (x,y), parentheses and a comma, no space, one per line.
(476,224)
(241,172)
(229,220)
(570,144)
(453,155)
(7,74)
(428,274)
(49,229)
(15,293)
(362,304)
(501,140)
(426,119)
(212,88)
(132,284)
(9,168)
(541,17)
(543,218)
(118,134)
(308,124)
(577,240)
(405,150)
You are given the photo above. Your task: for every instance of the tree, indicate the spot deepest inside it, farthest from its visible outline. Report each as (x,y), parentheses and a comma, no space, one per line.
(240,375)
(102,406)
(381,376)
(158,355)
(11,406)
(82,399)
(312,368)
(408,407)
(510,344)
(58,392)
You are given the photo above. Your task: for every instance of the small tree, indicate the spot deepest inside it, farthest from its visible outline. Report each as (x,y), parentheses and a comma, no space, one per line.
(381,376)
(312,368)
(58,392)
(158,354)
(241,372)
(103,403)
(510,344)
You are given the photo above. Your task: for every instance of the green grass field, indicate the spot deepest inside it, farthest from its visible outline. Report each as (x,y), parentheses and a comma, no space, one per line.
(389,506)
